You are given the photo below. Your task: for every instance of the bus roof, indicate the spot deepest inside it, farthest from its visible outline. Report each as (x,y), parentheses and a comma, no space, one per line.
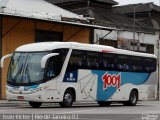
(48,46)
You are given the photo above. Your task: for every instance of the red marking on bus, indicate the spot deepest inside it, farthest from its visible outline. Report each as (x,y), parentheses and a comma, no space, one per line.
(111,80)
(106,51)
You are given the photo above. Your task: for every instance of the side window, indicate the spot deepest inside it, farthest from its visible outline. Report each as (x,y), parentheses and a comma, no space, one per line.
(136,63)
(76,60)
(55,63)
(149,64)
(108,62)
(92,60)
(123,63)
(62,52)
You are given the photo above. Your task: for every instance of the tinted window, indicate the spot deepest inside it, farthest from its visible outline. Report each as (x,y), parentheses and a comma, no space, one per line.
(107,62)
(136,64)
(76,60)
(55,63)
(123,63)
(92,60)
(149,64)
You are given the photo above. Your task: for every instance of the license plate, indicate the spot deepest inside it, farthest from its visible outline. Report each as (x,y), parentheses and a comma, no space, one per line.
(20,97)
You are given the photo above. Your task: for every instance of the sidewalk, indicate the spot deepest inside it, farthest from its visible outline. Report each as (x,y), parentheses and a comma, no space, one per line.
(6,103)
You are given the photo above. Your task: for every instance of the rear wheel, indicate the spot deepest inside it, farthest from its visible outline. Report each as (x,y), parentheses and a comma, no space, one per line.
(35,104)
(104,104)
(132,99)
(68,99)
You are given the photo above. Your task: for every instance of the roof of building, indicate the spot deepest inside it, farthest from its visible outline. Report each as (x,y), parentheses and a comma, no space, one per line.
(102,15)
(36,9)
(112,2)
(142,11)
(109,18)
(139,7)
(42,10)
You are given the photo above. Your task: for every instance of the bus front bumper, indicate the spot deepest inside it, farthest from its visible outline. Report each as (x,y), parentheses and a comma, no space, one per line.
(38,96)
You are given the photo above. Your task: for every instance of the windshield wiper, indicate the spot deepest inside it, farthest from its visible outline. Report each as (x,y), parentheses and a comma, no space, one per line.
(19,71)
(27,74)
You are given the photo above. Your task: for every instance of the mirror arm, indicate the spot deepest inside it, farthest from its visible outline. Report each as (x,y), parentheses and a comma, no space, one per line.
(3,59)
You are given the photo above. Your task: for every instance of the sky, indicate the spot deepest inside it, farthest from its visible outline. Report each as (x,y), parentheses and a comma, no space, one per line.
(123,2)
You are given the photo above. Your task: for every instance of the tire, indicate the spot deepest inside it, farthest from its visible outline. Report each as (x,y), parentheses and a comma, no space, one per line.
(35,104)
(68,99)
(104,104)
(133,98)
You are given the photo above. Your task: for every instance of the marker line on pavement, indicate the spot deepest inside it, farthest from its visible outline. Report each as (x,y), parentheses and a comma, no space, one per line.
(3,111)
(79,111)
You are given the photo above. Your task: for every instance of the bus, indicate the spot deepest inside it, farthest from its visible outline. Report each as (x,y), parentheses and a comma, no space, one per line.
(68,72)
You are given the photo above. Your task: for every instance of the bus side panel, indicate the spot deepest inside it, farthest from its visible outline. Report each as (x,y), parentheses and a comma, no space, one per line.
(83,81)
(52,93)
(112,82)
(87,82)
(99,85)
(151,84)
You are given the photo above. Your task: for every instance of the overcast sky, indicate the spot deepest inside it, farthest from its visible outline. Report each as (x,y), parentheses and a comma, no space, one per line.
(123,2)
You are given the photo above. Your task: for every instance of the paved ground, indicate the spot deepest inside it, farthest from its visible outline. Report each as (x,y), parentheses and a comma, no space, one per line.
(149,110)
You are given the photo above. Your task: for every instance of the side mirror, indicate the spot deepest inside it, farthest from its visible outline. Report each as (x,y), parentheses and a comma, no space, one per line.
(3,59)
(46,57)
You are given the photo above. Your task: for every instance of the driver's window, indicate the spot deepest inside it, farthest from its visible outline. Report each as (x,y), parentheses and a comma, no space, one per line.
(54,66)
(55,63)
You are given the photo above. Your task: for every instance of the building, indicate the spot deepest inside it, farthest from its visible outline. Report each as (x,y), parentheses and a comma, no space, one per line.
(146,13)
(130,34)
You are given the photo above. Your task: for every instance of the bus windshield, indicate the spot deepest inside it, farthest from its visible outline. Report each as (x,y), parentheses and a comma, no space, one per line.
(25,68)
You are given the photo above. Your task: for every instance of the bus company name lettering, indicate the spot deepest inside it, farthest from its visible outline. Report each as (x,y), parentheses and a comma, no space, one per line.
(111,80)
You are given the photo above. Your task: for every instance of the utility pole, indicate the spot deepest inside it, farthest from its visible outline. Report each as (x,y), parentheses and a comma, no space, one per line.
(158,70)
(134,27)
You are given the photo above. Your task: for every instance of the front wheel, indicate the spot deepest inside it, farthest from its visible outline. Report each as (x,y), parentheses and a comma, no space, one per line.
(35,104)
(67,99)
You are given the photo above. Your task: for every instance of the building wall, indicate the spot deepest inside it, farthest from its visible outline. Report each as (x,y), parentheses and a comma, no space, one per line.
(20,31)
(125,39)
(15,32)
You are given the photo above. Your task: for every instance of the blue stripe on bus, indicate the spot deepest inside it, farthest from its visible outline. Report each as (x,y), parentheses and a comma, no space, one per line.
(104,92)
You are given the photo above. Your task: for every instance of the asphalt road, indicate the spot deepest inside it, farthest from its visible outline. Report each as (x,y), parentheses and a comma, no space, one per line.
(149,110)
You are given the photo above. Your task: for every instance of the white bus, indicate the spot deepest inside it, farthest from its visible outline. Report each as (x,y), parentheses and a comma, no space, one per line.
(67,72)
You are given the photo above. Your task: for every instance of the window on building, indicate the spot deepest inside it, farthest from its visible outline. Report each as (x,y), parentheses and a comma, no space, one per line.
(112,43)
(150,49)
(48,36)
